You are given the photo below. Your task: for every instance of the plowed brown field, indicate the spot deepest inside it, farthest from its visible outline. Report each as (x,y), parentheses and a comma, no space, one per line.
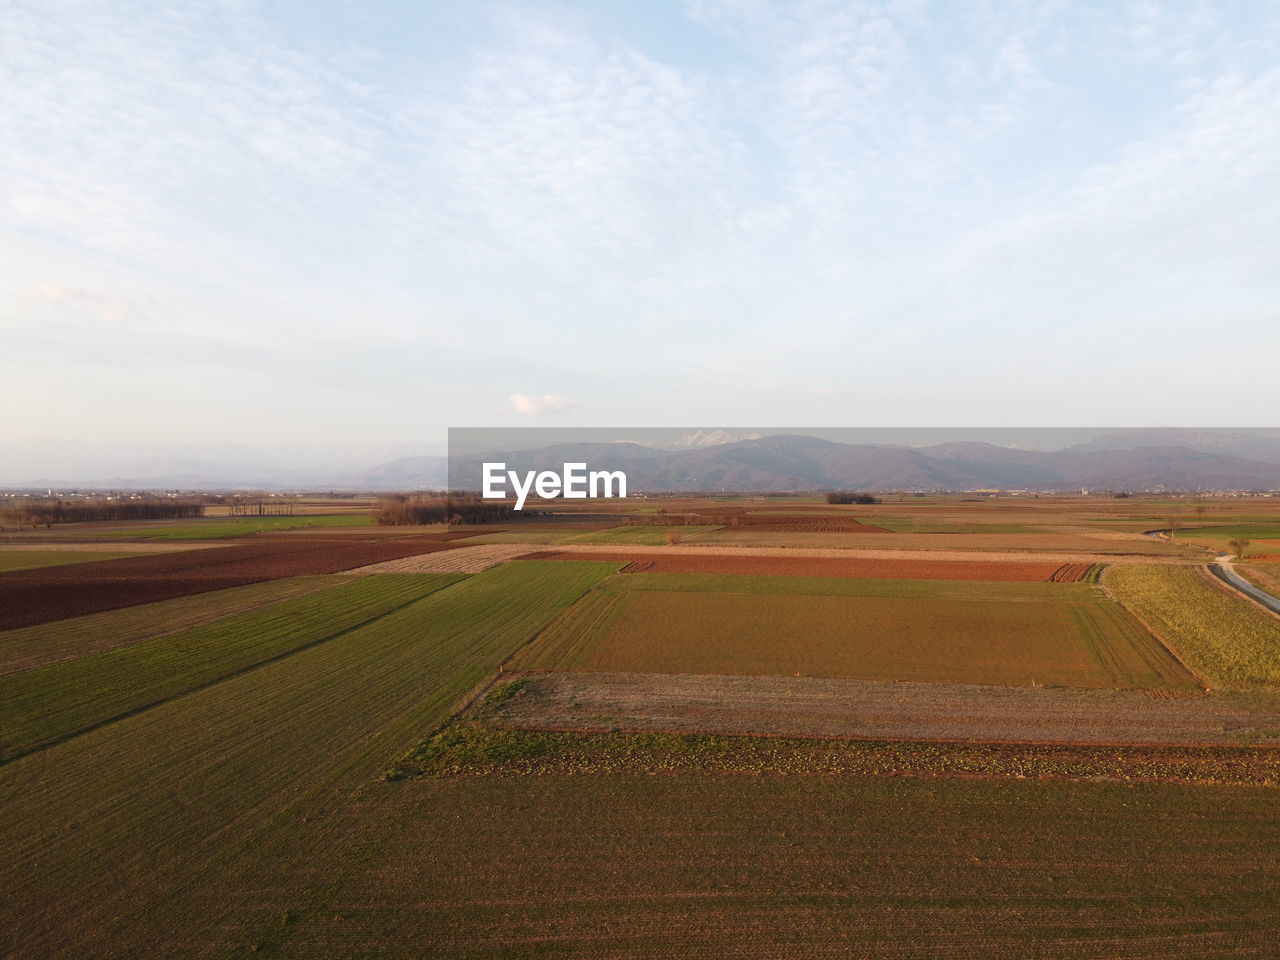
(1071,572)
(29,597)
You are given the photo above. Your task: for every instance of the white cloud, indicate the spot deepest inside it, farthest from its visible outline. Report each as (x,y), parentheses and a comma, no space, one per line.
(529,405)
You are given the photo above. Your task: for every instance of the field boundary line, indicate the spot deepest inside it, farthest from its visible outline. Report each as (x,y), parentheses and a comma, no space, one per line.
(1195,675)
(481,689)
(339,579)
(241,671)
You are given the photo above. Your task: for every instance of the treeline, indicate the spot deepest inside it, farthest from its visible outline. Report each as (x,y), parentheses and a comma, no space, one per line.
(413,511)
(846,496)
(86,511)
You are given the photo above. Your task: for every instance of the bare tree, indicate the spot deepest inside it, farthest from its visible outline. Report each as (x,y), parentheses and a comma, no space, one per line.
(1239,545)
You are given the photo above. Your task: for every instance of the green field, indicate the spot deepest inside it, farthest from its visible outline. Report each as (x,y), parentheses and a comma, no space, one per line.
(773,866)
(1264,538)
(1004,591)
(287,770)
(28,647)
(216,823)
(47,704)
(221,528)
(35,559)
(928,631)
(1217,633)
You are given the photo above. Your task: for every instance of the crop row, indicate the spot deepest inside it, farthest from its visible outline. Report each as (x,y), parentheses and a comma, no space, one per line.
(191,828)
(50,703)
(46,643)
(1016,634)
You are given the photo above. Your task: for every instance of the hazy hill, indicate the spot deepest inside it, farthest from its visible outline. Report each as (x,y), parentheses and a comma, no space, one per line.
(1127,459)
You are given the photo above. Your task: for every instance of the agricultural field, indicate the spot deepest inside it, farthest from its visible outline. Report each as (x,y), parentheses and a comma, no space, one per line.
(35,559)
(930,727)
(228,527)
(757,564)
(894,630)
(692,865)
(29,597)
(58,701)
(28,647)
(1229,642)
(269,776)
(1263,538)
(1264,576)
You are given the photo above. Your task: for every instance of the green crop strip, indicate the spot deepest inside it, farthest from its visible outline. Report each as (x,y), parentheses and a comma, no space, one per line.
(49,704)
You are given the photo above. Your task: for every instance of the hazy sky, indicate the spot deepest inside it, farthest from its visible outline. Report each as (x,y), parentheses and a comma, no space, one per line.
(374,220)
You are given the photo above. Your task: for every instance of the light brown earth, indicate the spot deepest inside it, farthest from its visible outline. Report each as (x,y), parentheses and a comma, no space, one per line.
(872,710)
(462,560)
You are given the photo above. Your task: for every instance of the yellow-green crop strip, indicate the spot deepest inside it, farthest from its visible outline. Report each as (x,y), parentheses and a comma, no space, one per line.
(1224,638)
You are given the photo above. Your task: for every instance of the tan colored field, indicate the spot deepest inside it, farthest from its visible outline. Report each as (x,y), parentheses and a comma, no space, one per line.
(1265,576)
(1073,642)
(462,560)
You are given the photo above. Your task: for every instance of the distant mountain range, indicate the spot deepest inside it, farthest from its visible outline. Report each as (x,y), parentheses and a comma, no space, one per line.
(1124,460)
(1135,459)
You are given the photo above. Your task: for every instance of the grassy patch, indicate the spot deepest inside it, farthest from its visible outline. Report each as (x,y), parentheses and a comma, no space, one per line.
(43,705)
(1224,638)
(1003,591)
(28,647)
(1018,634)
(258,786)
(219,529)
(1264,576)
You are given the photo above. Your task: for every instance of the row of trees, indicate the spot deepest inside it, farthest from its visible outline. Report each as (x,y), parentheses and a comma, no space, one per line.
(400,511)
(850,496)
(47,512)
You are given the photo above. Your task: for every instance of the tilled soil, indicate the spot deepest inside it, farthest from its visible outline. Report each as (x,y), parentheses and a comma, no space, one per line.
(29,597)
(823,707)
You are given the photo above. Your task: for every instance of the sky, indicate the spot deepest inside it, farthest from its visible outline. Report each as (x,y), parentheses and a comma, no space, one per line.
(373,221)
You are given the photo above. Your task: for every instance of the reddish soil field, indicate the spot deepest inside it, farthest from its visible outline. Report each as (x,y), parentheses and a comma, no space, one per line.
(1071,572)
(29,597)
(871,569)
